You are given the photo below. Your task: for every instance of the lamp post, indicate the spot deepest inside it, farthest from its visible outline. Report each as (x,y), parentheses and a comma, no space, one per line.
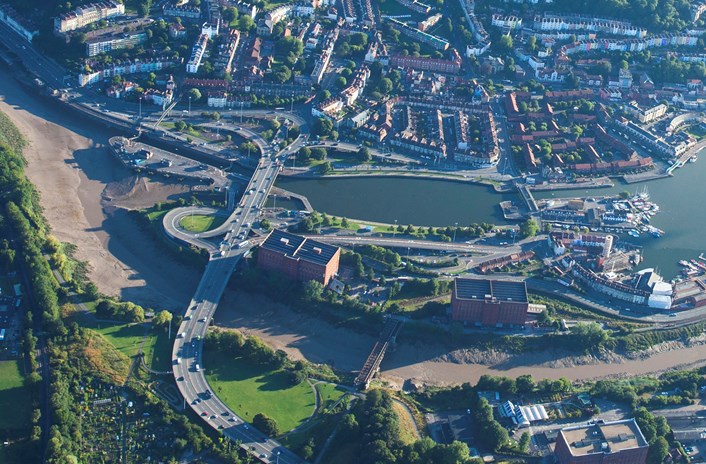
(455,228)
(189,105)
(140,107)
(277,462)
(394,229)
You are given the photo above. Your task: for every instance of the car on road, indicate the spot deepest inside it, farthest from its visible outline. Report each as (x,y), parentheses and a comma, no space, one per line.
(203,319)
(204,413)
(220,427)
(213,416)
(180,379)
(232,419)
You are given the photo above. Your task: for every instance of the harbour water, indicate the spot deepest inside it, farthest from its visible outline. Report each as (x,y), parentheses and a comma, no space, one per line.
(682,200)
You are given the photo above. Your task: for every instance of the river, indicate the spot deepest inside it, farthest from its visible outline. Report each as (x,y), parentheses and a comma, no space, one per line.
(442,203)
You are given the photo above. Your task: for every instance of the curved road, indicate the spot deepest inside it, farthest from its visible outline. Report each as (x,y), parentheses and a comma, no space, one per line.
(187,351)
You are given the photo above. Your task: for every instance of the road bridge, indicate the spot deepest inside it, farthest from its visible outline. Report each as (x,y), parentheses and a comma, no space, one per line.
(528,198)
(372,364)
(187,351)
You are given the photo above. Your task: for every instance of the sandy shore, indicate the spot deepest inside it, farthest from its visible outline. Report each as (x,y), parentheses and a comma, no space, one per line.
(78,180)
(303,337)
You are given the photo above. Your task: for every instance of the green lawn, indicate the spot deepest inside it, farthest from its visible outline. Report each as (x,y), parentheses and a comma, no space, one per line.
(329,394)
(125,338)
(156,215)
(249,389)
(158,350)
(200,223)
(15,401)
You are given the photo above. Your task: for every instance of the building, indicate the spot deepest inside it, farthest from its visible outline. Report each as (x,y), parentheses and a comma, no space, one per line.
(104,44)
(124,68)
(619,442)
(433,41)
(25,28)
(646,114)
(181,11)
(489,302)
(298,258)
(87,14)
(452,66)
(192,67)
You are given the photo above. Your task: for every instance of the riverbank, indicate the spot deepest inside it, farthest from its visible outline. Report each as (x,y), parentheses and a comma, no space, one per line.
(84,193)
(304,337)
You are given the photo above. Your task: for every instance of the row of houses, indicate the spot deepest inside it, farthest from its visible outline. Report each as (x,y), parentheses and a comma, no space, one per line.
(631,45)
(177,10)
(452,66)
(479,33)
(197,53)
(550,22)
(87,14)
(324,58)
(124,68)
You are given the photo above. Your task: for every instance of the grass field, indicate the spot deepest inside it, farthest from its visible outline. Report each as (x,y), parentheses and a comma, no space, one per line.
(328,394)
(15,401)
(408,433)
(200,223)
(158,350)
(127,339)
(249,389)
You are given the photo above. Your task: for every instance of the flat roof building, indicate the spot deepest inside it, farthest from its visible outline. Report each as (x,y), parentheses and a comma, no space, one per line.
(619,442)
(298,257)
(489,302)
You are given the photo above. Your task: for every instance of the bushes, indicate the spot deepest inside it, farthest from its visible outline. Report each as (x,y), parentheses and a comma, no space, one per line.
(120,311)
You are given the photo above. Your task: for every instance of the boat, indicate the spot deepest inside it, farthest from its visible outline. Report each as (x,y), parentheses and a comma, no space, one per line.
(633,233)
(693,159)
(684,262)
(702,257)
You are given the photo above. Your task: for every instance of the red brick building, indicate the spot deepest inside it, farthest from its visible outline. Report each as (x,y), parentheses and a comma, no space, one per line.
(489,302)
(619,442)
(298,258)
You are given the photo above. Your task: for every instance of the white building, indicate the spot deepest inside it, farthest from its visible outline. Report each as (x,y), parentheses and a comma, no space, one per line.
(192,66)
(88,14)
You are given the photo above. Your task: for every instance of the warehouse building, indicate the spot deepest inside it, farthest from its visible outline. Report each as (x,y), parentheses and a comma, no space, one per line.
(298,258)
(489,302)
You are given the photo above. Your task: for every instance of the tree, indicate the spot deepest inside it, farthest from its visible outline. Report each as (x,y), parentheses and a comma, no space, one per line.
(266,425)
(319,153)
(195,94)
(658,451)
(344,223)
(305,153)
(525,384)
(524,442)
(230,13)
(162,318)
(385,85)
(245,23)
(529,228)
(340,82)
(312,290)
(589,335)
(364,154)
(322,126)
